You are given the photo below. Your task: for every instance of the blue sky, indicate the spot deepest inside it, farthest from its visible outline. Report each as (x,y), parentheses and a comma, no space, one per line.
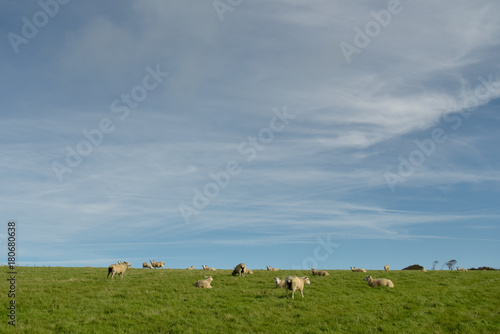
(285,133)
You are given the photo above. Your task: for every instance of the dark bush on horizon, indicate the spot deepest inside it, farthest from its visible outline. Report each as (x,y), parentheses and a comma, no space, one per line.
(414,267)
(483,268)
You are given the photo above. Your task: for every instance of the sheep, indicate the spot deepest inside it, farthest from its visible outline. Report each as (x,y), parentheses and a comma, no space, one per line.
(296,283)
(146,265)
(240,269)
(117,269)
(157,264)
(386,267)
(272,269)
(125,262)
(279,283)
(424,270)
(190,268)
(248,271)
(359,270)
(319,272)
(462,269)
(379,282)
(208,268)
(204,283)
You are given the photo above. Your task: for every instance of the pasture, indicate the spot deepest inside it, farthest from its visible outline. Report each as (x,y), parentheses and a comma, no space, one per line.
(83,300)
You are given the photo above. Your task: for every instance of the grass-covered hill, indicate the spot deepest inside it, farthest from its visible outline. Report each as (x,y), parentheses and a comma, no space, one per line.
(83,300)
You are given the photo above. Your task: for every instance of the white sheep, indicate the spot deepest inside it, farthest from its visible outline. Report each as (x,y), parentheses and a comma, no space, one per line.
(272,269)
(204,283)
(319,272)
(208,268)
(125,262)
(359,270)
(159,264)
(240,269)
(248,271)
(146,265)
(378,282)
(424,270)
(296,283)
(117,269)
(190,268)
(386,267)
(462,269)
(279,283)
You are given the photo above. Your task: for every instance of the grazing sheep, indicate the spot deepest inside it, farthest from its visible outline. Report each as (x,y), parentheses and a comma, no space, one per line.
(279,283)
(296,283)
(272,269)
(159,264)
(359,270)
(424,270)
(462,269)
(386,267)
(208,268)
(378,282)
(146,265)
(240,269)
(204,283)
(117,269)
(190,268)
(319,272)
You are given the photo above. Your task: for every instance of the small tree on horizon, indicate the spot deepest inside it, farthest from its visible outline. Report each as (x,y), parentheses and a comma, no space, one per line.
(434,265)
(451,263)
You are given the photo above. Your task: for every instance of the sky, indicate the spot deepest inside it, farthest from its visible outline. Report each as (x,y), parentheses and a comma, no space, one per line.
(293,134)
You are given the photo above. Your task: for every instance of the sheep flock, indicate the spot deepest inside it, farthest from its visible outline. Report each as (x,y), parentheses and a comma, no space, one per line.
(292,282)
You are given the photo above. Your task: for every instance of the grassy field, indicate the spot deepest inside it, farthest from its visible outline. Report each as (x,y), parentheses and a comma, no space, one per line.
(82,300)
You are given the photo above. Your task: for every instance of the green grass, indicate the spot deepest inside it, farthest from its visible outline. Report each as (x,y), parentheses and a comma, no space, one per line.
(83,300)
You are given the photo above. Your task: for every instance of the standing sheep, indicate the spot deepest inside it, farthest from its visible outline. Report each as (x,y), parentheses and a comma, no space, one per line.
(359,270)
(296,283)
(386,267)
(204,283)
(146,265)
(159,264)
(319,272)
(117,269)
(208,268)
(240,269)
(378,282)
(190,268)
(462,269)
(272,269)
